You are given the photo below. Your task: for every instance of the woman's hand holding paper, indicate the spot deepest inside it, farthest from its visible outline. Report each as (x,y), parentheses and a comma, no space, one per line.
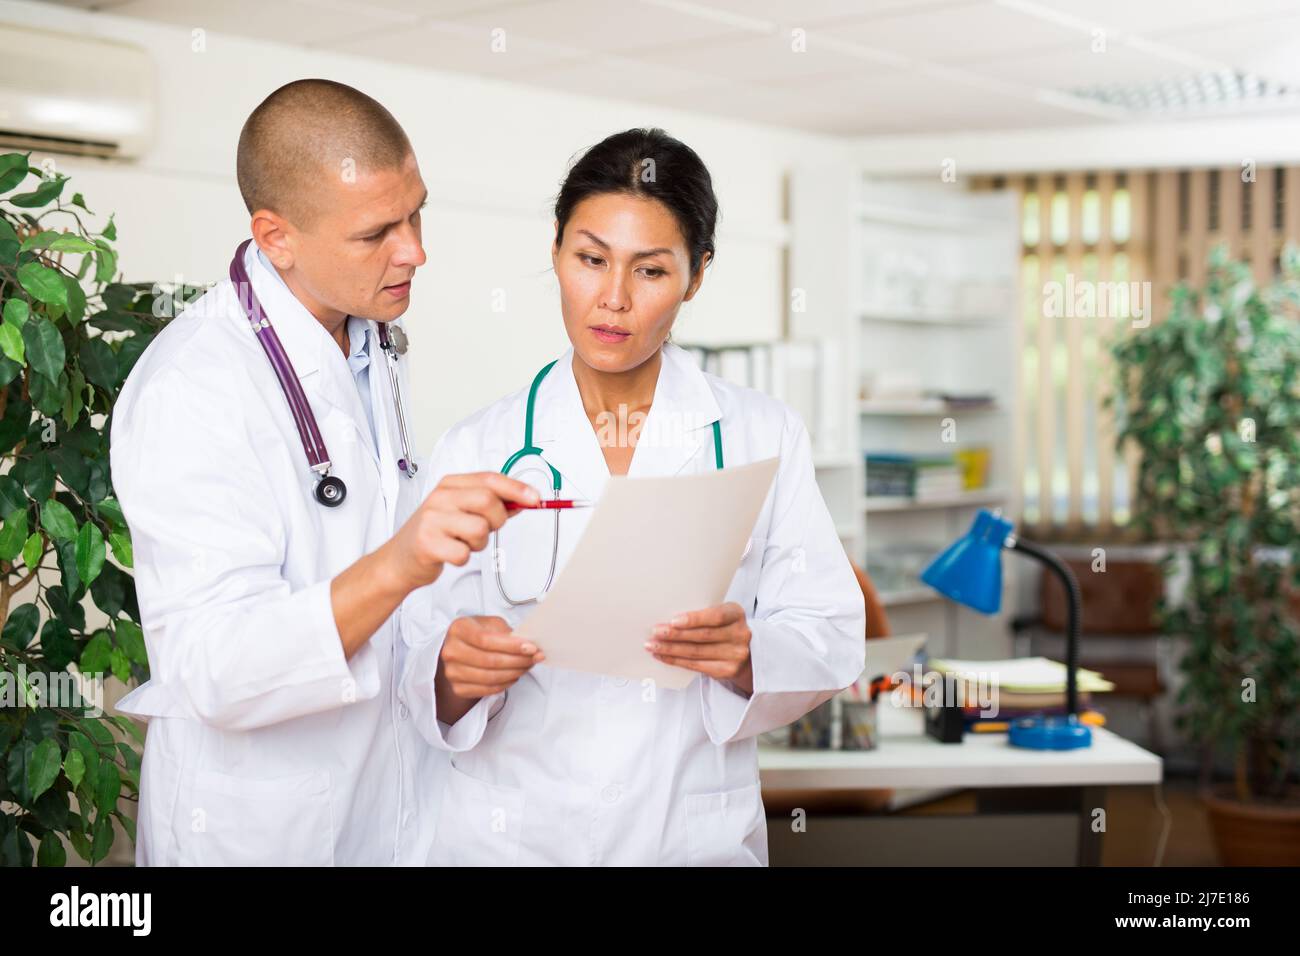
(713,641)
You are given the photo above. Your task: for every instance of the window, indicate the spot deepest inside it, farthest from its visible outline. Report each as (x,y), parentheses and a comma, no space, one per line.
(1099,253)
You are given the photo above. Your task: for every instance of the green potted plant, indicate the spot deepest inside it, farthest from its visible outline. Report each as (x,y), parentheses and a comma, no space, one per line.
(1211,397)
(69,335)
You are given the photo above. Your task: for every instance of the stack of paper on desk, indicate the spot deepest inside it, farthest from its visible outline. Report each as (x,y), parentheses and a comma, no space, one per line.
(1023,684)
(1025,675)
(653,549)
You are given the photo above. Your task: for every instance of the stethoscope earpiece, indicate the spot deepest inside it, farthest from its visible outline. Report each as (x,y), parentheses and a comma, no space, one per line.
(330,491)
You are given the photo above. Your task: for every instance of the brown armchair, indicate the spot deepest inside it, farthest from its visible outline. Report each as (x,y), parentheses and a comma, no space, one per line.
(877,620)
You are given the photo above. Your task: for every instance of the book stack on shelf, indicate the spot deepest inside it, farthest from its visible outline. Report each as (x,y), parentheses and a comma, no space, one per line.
(895,391)
(958,401)
(920,477)
(925,477)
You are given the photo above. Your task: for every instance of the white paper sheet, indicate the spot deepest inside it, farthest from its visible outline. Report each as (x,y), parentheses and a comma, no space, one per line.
(654,548)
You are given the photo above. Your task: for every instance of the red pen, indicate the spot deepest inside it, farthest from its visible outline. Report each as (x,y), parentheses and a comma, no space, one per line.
(553,504)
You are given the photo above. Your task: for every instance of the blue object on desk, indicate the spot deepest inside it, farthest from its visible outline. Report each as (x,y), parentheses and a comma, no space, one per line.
(970,572)
(1061,732)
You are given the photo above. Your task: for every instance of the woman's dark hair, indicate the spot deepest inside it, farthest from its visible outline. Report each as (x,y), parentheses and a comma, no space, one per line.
(651,164)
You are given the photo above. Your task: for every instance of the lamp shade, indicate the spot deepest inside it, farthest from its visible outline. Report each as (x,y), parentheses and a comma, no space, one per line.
(969,571)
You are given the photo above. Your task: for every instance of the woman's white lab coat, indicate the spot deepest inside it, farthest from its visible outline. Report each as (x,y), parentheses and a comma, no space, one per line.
(264,745)
(572,768)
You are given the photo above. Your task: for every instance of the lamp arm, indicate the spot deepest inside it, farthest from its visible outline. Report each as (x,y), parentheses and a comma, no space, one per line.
(1074,603)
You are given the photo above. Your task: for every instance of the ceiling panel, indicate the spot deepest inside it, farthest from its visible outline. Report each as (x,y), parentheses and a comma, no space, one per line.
(612,76)
(868,66)
(600,25)
(458,47)
(794,13)
(769,59)
(1074,68)
(306,21)
(966,32)
(1151,16)
(764,106)
(877,105)
(438,9)
(98,6)
(1268,47)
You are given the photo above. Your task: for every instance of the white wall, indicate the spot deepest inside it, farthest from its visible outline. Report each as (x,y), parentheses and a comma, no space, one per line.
(1265,138)
(492,154)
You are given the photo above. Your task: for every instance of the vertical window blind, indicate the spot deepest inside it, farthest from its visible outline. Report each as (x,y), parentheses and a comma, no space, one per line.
(1100,251)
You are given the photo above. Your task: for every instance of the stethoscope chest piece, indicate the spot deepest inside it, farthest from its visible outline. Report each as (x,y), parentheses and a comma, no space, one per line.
(330,491)
(400,342)
(393,342)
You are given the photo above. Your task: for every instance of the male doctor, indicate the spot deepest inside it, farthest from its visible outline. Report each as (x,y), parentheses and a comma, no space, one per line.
(275,735)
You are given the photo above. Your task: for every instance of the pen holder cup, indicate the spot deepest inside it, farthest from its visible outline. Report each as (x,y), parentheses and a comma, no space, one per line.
(813,729)
(860,729)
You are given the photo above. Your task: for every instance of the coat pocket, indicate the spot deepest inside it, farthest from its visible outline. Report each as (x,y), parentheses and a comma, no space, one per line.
(227,820)
(479,824)
(727,828)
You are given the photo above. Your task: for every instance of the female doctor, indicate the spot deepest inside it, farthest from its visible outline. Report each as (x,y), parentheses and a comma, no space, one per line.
(552,766)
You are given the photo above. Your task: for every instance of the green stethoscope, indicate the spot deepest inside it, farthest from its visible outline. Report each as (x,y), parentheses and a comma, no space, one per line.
(530,449)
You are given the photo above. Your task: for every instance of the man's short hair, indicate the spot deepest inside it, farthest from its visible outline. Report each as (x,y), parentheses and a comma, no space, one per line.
(308,129)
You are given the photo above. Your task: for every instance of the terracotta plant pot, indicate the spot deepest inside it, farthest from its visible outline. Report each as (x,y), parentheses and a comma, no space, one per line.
(1254,834)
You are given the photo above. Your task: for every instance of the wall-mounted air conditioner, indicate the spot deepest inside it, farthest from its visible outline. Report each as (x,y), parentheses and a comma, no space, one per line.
(78,95)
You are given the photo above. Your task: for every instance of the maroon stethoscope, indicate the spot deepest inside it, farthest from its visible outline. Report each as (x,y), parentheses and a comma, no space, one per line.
(330,489)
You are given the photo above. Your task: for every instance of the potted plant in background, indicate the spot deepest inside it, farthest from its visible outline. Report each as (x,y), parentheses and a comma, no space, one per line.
(69,336)
(1211,396)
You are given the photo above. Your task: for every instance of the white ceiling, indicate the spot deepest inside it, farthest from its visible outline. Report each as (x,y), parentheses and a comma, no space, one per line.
(868,67)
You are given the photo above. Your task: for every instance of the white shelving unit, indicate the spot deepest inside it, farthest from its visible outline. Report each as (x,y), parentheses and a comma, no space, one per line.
(924,406)
(966,499)
(916,283)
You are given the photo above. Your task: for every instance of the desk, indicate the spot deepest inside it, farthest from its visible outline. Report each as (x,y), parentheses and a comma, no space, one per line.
(1030,802)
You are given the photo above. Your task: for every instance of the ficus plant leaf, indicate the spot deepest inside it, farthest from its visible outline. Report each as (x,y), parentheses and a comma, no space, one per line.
(1210,397)
(69,334)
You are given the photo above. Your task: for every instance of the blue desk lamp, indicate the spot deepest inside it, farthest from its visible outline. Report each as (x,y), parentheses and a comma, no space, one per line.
(970,572)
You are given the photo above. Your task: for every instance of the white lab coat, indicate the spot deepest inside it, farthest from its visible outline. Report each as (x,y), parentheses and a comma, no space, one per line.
(571,768)
(265,745)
